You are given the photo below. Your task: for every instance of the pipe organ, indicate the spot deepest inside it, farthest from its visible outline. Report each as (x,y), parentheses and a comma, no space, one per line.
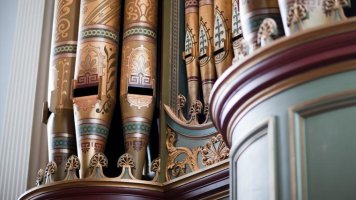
(174,60)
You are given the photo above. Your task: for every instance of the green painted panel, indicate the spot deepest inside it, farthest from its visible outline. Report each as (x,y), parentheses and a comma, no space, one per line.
(330,140)
(278,106)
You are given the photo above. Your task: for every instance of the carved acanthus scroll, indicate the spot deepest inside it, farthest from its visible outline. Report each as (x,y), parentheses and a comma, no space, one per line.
(182,160)
(177,168)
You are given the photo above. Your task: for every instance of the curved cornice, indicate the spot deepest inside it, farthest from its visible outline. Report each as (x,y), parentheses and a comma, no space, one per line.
(204,183)
(285,59)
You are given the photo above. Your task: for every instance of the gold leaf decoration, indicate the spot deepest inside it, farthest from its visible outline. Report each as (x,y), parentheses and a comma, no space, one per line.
(215,151)
(177,168)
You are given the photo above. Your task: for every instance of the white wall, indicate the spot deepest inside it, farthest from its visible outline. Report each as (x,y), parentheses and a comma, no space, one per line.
(8,13)
(25,45)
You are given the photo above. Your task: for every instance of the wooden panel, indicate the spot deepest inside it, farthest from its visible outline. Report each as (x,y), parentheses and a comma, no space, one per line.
(253,167)
(322,147)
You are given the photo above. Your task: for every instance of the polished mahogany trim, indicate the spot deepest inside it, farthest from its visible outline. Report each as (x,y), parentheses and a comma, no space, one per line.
(99,192)
(201,188)
(200,185)
(241,82)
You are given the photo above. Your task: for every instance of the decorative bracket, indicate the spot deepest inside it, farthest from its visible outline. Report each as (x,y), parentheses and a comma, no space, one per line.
(97,162)
(50,171)
(296,14)
(335,9)
(71,167)
(266,32)
(127,163)
(40,177)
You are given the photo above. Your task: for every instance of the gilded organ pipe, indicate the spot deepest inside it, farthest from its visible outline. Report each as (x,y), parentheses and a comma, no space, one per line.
(138,77)
(60,122)
(94,84)
(237,38)
(206,50)
(222,35)
(191,53)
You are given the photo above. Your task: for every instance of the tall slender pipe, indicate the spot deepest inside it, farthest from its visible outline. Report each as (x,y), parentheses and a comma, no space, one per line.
(191,53)
(60,122)
(94,84)
(138,77)
(222,35)
(206,50)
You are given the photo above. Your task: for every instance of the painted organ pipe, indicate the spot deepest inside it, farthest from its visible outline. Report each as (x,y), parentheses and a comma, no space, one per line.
(236,32)
(222,35)
(191,53)
(60,122)
(206,50)
(138,75)
(94,84)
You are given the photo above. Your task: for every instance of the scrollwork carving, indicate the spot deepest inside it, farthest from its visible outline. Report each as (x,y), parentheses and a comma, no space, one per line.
(177,168)
(156,167)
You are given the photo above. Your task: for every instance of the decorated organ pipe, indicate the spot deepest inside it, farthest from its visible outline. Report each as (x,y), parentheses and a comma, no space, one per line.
(222,35)
(94,84)
(237,38)
(191,53)
(138,77)
(59,119)
(206,50)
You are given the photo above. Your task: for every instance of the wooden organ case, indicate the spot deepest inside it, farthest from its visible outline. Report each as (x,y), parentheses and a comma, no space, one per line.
(194,77)
(152,138)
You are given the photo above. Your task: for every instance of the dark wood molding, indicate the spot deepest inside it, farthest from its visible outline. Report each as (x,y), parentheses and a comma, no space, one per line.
(198,185)
(201,188)
(283,60)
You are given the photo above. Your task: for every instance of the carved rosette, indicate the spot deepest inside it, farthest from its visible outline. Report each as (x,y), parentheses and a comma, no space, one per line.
(206,47)
(127,164)
(222,35)
(59,113)
(138,77)
(94,84)
(72,166)
(215,151)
